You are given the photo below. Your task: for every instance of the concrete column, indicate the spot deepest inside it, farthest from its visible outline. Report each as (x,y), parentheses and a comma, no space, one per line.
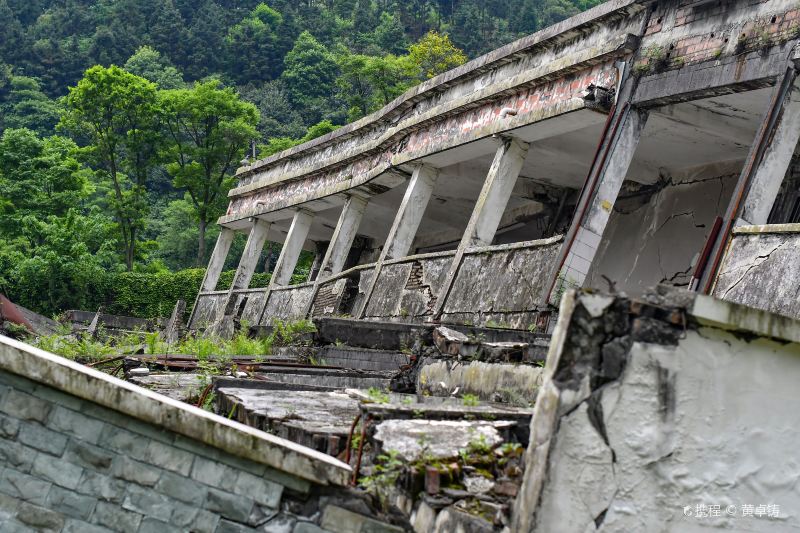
(771,169)
(343,237)
(217,261)
(290,253)
(251,254)
(405,225)
(223,324)
(583,238)
(409,216)
(341,242)
(292,246)
(215,266)
(489,208)
(495,193)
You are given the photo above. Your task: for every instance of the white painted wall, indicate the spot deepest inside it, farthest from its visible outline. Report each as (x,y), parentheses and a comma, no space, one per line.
(660,241)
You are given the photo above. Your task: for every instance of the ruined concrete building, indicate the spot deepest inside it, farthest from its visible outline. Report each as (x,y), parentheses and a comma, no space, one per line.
(638,142)
(463,235)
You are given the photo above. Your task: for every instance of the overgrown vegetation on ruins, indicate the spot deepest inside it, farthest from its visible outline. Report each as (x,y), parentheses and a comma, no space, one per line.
(111,177)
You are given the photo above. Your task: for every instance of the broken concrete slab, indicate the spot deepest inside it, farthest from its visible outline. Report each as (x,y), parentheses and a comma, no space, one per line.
(319,420)
(362,358)
(436,439)
(334,378)
(181,386)
(449,341)
(372,334)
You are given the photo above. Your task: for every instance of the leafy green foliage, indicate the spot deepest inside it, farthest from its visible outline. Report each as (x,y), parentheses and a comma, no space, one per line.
(148,63)
(154,145)
(116,112)
(209,127)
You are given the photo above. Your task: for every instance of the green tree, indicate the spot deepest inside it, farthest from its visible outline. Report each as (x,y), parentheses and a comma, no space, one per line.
(278,117)
(252,45)
(310,75)
(59,262)
(390,35)
(117,113)
(28,107)
(435,54)
(38,177)
(209,129)
(148,63)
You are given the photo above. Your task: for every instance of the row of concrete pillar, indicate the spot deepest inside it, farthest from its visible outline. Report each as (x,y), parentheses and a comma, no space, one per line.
(758,188)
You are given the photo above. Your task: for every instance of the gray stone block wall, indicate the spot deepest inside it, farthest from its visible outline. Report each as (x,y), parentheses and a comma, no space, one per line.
(67,464)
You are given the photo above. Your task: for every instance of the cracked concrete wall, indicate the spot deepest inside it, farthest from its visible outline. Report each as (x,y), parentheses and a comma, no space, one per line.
(206,308)
(761,269)
(656,235)
(287,304)
(407,290)
(651,408)
(502,284)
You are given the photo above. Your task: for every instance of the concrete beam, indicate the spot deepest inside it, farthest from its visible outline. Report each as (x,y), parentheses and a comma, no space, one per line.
(771,170)
(489,208)
(405,225)
(583,238)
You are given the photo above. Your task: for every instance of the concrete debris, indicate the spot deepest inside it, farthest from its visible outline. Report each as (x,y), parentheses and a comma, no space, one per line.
(449,341)
(438,439)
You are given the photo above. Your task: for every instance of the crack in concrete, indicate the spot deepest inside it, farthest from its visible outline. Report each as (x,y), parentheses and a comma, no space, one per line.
(752,267)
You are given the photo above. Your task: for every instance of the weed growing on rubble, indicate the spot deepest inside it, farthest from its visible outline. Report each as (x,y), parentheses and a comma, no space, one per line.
(288,333)
(69,347)
(377,395)
(384,476)
(470,400)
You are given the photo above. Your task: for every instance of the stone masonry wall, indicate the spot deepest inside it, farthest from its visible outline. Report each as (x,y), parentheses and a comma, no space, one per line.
(72,465)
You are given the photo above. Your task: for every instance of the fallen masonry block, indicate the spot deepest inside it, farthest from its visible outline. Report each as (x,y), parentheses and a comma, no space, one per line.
(449,341)
(436,439)
(363,358)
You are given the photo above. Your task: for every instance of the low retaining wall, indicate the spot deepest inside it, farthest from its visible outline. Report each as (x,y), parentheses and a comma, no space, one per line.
(499,286)
(80,449)
(287,303)
(761,269)
(407,289)
(502,285)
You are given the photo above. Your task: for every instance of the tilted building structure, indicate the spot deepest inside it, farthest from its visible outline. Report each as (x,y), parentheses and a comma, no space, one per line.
(636,143)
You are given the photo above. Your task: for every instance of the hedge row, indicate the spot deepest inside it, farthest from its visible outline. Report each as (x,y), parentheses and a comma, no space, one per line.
(151,295)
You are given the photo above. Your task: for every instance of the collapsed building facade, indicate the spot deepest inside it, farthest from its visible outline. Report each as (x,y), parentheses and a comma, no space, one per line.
(637,144)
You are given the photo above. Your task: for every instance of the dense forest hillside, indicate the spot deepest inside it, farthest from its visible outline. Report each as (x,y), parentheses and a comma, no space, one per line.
(88,199)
